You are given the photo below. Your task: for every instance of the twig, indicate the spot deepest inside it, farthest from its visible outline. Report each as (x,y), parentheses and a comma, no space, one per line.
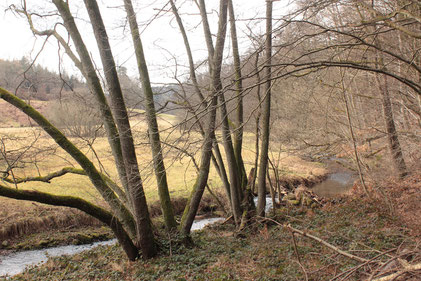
(400,272)
(304,270)
(295,247)
(226,220)
(336,249)
(350,271)
(298,256)
(330,246)
(380,268)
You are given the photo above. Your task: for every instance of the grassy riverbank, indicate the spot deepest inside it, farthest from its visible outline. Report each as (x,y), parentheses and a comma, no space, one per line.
(264,251)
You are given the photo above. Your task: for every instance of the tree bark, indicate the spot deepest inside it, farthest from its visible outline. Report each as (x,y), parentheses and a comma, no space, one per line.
(354,140)
(392,134)
(257,121)
(199,187)
(158,160)
(206,31)
(217,157)
(261,203)
(136,193)
(94,84)
(234,176)
(238,131)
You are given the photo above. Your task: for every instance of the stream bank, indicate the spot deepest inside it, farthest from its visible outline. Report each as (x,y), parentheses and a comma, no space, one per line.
(264,251)
(15,263)
(337,182)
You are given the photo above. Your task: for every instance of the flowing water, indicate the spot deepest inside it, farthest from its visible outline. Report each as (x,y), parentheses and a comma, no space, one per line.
(336,183)
(15,263)
(269,203)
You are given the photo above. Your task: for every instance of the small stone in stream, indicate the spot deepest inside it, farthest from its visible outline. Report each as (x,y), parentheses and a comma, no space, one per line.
(5,244)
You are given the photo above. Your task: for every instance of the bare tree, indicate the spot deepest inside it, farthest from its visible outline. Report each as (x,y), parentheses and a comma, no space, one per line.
(261,203)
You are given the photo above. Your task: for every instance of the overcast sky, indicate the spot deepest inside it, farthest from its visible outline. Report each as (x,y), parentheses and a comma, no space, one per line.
(161,39)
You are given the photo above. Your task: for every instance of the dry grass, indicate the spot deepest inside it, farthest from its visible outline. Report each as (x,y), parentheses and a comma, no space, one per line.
(44,157)
(398,198)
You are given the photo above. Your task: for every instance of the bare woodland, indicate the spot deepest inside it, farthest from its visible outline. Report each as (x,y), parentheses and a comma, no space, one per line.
(326,79)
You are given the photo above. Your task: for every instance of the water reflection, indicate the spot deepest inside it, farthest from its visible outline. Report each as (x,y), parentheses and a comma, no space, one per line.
(336,184)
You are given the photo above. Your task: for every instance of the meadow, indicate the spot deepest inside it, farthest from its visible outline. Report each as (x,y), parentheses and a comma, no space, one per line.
(35,154)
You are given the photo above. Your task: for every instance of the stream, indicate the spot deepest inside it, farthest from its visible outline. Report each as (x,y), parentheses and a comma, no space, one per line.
(16,263)
(337,183)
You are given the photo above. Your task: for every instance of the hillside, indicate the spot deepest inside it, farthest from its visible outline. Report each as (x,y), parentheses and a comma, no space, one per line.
(13,117)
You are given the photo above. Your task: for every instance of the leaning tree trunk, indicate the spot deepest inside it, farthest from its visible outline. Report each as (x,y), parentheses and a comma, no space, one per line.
(392,134)
(94,85)
(217,157)
(261,202)
(123,215)
(158,160)
(80,204)
(199,187)
(257,121)
(353,138)
(234,175)
(88,71)
(206,31)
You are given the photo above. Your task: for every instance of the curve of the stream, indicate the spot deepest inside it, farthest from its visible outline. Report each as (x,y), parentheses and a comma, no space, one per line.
(15,263)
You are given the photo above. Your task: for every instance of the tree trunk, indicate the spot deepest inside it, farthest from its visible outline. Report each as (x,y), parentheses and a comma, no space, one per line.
(136,193)
(354,140)
(235,177)
(238,131)
(392,134)
(206,31)
(94,84)
(97,180)
(257,132)
(261,203)
(199,187)
(159,167)
(217,157)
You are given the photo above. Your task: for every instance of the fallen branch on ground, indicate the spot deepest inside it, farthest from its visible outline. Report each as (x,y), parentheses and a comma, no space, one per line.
(406,269)
(330,246)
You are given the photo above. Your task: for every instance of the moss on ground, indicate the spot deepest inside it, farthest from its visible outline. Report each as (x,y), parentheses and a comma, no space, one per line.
(264,251)
(58,237)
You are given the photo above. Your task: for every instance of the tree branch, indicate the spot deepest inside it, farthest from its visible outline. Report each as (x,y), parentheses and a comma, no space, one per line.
(48,177)
(76,203)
